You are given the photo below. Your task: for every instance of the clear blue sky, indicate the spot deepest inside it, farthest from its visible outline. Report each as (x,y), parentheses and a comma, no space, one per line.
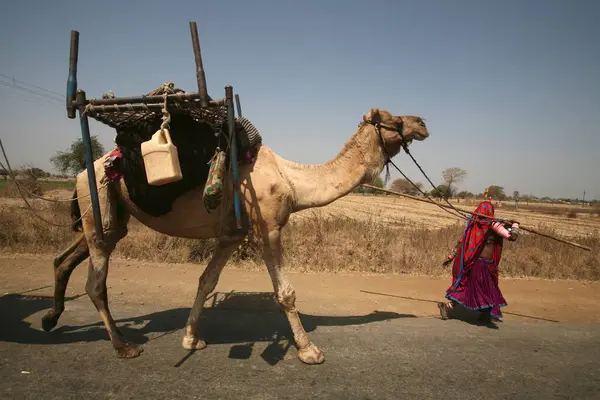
(510,89)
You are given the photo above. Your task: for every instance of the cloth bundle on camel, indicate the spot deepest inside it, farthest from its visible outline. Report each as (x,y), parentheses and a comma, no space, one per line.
(198,133)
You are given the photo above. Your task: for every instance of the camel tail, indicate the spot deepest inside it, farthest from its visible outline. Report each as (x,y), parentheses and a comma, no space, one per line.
(77,225)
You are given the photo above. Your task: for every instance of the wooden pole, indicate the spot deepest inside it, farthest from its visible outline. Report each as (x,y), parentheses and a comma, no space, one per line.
(200,75)
(477,214)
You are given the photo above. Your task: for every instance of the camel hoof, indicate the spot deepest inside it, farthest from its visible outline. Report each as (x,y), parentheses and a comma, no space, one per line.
(50,320)
(311,355)
(128,350)
(192,343)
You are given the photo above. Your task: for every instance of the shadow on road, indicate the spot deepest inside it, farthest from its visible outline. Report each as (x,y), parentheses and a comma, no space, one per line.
(240,319)
(435,302)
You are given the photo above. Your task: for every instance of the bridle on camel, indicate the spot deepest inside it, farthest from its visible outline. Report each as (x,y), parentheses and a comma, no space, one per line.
(404,143)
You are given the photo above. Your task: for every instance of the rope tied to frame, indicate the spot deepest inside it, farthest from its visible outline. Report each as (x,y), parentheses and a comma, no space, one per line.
(167,86)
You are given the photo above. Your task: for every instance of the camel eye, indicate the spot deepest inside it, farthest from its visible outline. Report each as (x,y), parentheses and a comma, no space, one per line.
(421,122)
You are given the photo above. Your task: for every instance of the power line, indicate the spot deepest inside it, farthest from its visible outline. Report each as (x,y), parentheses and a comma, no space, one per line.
(34,92)
(37,101)
(34,86)
(39,93)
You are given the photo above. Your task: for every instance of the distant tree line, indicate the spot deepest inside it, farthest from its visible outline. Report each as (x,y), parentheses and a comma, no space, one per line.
(71,161)
(455,175)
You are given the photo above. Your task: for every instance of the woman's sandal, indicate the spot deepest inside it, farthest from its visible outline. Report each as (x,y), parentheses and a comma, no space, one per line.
(443,310)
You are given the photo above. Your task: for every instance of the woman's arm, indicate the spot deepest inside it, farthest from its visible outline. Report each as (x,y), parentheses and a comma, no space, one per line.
(511,233)
(449,259)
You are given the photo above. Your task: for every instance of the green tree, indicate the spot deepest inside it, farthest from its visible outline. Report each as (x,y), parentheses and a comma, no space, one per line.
(34,173)
(441,191)
(465,194)
(496,192)
(451,176)
(73,159)
(404,186)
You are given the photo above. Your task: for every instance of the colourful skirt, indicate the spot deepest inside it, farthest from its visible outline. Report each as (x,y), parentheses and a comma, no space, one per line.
(479,292)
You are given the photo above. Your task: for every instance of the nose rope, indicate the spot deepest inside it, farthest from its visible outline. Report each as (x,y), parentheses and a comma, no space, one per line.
(405,147)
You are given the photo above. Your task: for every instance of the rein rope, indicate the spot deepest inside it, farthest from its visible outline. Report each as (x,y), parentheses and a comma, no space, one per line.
(20,187)
(404,144)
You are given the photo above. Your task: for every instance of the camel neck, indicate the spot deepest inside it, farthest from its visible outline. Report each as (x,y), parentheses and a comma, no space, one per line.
(360,161)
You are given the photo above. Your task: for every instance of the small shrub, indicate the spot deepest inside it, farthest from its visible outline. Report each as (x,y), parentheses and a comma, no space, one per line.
(29,188)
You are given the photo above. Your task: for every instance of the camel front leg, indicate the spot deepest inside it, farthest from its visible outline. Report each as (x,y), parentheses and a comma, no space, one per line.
(115,229)
(308,352)
(207,283)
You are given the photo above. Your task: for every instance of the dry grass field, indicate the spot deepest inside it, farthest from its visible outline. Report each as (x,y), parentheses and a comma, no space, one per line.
(358,233)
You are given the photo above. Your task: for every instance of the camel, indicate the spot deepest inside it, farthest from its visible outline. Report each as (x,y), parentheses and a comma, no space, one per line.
(271,189)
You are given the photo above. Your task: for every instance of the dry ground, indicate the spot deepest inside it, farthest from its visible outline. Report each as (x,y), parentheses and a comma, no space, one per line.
(165,285)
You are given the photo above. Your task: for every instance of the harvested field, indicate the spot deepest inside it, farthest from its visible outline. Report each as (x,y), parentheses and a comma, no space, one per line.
(398,211)
(358,233)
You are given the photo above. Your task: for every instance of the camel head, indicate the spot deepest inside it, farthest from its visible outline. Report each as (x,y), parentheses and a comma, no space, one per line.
(396,129)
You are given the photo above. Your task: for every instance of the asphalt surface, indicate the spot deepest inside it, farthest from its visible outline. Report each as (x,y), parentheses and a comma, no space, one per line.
(382,355)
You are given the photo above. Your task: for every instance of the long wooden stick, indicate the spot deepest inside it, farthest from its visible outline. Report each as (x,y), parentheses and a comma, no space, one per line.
(474,213)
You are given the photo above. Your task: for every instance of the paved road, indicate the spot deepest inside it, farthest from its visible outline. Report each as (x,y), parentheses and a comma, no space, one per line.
(377,356)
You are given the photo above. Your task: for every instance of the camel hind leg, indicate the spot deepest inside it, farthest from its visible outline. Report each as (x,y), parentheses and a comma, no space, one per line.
(64,264)
(206,284)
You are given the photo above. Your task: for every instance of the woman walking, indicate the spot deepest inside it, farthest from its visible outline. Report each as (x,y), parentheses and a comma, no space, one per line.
(475,271)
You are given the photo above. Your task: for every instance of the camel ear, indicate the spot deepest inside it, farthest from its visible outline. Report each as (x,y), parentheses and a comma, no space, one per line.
(373,116)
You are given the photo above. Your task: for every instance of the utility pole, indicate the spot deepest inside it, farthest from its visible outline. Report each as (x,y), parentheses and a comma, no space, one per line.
(583,200)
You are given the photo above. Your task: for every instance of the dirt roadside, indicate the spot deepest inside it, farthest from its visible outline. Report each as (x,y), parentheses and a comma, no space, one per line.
(174,285)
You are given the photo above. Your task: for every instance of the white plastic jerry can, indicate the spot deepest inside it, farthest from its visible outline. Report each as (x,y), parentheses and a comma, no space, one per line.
(160,159)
